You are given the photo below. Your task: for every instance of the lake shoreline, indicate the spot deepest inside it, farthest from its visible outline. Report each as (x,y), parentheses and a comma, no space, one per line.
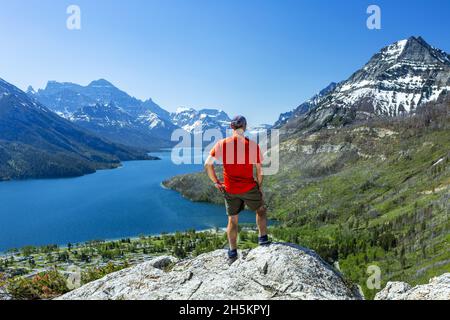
(62,177)
(132,238)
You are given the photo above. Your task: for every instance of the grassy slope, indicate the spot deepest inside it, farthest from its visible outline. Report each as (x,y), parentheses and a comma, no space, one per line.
(364,195)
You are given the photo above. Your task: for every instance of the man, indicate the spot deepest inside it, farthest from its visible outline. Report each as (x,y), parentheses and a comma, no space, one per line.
(239,155)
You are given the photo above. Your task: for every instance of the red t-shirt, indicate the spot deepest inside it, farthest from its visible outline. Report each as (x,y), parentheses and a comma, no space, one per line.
(238,155)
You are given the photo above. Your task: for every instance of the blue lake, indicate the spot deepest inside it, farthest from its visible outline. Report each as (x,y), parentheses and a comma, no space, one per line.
(109,204)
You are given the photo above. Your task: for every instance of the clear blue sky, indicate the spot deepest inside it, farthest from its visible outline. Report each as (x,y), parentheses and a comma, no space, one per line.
(254,57)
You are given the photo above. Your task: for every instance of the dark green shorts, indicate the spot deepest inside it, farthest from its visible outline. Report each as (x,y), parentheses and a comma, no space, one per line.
(235,203)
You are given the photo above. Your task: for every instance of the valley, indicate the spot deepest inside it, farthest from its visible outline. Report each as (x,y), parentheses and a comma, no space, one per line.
(23,271)
(364,175)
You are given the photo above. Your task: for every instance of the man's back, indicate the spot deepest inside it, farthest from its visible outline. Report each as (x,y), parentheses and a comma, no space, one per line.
(238,154)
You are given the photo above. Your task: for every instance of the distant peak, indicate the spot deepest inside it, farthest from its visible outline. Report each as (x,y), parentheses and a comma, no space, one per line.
(52,84)
(328,89)
(211,111)
(184,109)
(418,48)
(395,49)
(413,40)
(418,39)
(100,83)
(30,90)
(415,48)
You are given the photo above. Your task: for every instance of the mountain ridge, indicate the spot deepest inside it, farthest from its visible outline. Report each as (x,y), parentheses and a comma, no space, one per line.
(145,124)
(37,143)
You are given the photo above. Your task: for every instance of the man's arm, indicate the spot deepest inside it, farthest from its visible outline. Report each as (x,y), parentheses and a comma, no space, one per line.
(259,175)
(209,167)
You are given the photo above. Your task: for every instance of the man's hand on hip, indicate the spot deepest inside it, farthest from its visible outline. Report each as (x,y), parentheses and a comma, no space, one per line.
(219,186)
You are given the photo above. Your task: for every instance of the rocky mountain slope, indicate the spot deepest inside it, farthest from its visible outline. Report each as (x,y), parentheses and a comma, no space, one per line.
(37,143)
(109,112)
(400,78)
(113,123)
(437,289)
(280,271)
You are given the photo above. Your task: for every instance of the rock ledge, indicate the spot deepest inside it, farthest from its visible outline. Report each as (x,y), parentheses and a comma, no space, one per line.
(279,271)
(437,289)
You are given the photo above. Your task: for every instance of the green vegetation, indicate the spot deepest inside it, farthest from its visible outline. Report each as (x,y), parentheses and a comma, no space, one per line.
(44,285)
(368,194)
(94,273)
(42,272)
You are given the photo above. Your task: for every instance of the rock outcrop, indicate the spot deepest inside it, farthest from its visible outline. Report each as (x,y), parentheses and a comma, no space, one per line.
(437,289)
(279,271)
(4,295)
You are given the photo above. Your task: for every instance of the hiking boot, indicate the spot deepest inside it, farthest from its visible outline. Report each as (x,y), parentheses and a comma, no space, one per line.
(232,256)
(264,241)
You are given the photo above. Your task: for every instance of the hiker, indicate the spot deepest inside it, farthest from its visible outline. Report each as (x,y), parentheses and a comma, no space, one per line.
(239,155)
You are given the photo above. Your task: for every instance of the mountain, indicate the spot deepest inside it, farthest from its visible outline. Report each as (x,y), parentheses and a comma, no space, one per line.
(397,80)
(109,112)
(305,106)
(193,121)
(37,143)
(146,130)
(278,271)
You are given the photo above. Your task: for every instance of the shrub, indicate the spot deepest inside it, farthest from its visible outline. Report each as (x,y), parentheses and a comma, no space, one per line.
(45,285)
(92,274)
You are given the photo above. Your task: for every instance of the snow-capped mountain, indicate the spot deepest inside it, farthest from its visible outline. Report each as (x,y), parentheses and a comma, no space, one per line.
(400,78)
(109,112)
(194,121)
(103,115)
(113,123)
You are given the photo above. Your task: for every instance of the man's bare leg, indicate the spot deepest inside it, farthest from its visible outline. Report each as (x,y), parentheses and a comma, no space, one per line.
(232,231)
(261,221)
